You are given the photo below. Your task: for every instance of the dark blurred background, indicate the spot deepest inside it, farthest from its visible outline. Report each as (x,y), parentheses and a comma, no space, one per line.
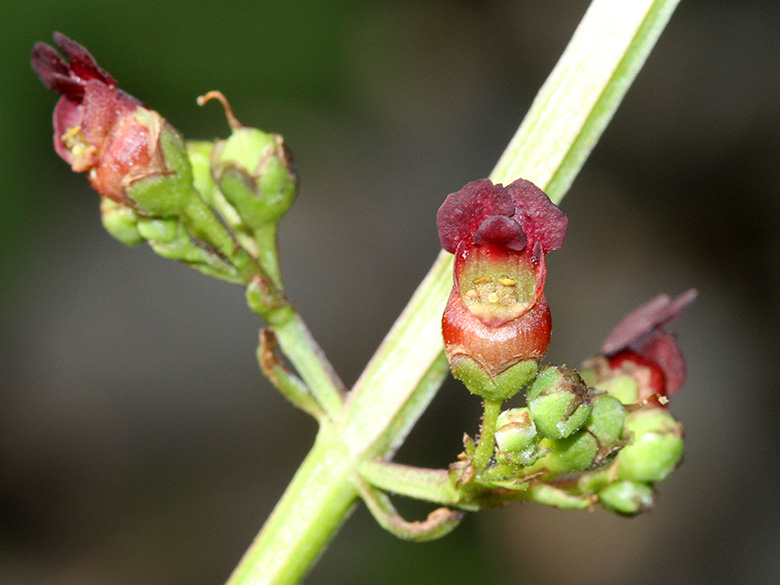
(138,442)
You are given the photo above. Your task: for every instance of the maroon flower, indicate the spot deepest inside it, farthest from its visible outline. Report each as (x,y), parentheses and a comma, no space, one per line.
(99,129)
(639,346)
(497,315)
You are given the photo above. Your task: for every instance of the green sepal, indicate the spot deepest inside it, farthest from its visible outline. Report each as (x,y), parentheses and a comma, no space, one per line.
(502,387)
(165,194)
(656,446)
(559,401)
(627,497)
(120,221)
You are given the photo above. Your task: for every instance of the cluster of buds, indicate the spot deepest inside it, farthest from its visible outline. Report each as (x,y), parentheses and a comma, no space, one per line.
(213,206)
(602,434)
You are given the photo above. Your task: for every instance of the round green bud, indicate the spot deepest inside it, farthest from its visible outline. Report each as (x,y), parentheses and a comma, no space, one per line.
(607,419)
(516,434)
(627,497)
(159,230)
(656,446)
(120,221)
(574,453)
(559,401)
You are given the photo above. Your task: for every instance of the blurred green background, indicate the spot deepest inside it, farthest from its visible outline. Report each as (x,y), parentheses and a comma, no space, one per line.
(138,442)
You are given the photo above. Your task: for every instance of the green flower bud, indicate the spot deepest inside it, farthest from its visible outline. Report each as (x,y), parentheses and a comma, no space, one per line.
(516,435)
(607,419)
(656,446)
(120,221)
(627,497)
(254,170)
(559,401)
(574,453)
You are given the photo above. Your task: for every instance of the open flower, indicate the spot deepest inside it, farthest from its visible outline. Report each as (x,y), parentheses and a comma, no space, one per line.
(98,128)
(497,316)
(640,348)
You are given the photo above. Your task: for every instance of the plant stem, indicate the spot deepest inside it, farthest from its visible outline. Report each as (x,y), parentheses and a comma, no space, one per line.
(487,435)
(302,350)
(315,504)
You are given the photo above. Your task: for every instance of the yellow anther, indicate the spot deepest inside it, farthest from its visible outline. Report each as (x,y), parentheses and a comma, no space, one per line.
(506,281)
(492,298)
(471,294)
(483,279)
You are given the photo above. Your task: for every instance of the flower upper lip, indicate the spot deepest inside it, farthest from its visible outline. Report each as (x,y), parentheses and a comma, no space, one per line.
(512,216)
(67,79)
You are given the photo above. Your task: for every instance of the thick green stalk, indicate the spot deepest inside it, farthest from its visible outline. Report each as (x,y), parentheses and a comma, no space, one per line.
(566,119)
(314,506)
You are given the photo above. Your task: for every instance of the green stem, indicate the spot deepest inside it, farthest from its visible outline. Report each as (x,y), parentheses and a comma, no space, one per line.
(268,255)
(315,504)
(431,485)
(309,360)
(487,435)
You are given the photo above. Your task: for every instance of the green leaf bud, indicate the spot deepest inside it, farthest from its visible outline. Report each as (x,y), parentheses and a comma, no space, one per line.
(516,435)
(120,221)
(607,419)
(627,497)
(656,446)
(497,388)
(559,401)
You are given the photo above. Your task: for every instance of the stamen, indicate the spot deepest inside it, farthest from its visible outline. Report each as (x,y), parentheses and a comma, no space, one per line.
(483,279)
(506,281)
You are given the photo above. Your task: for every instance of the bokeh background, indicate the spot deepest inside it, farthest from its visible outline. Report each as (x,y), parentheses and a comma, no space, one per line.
(138,442)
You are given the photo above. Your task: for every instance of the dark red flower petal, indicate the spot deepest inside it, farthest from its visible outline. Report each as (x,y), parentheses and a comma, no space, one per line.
(82,63)
(640,322)
(464,216)
(541,220)
(463,212)
(661,348)
(501,230)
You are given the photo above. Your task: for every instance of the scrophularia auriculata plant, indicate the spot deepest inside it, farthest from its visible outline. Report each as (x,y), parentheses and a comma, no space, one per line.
(601,434)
